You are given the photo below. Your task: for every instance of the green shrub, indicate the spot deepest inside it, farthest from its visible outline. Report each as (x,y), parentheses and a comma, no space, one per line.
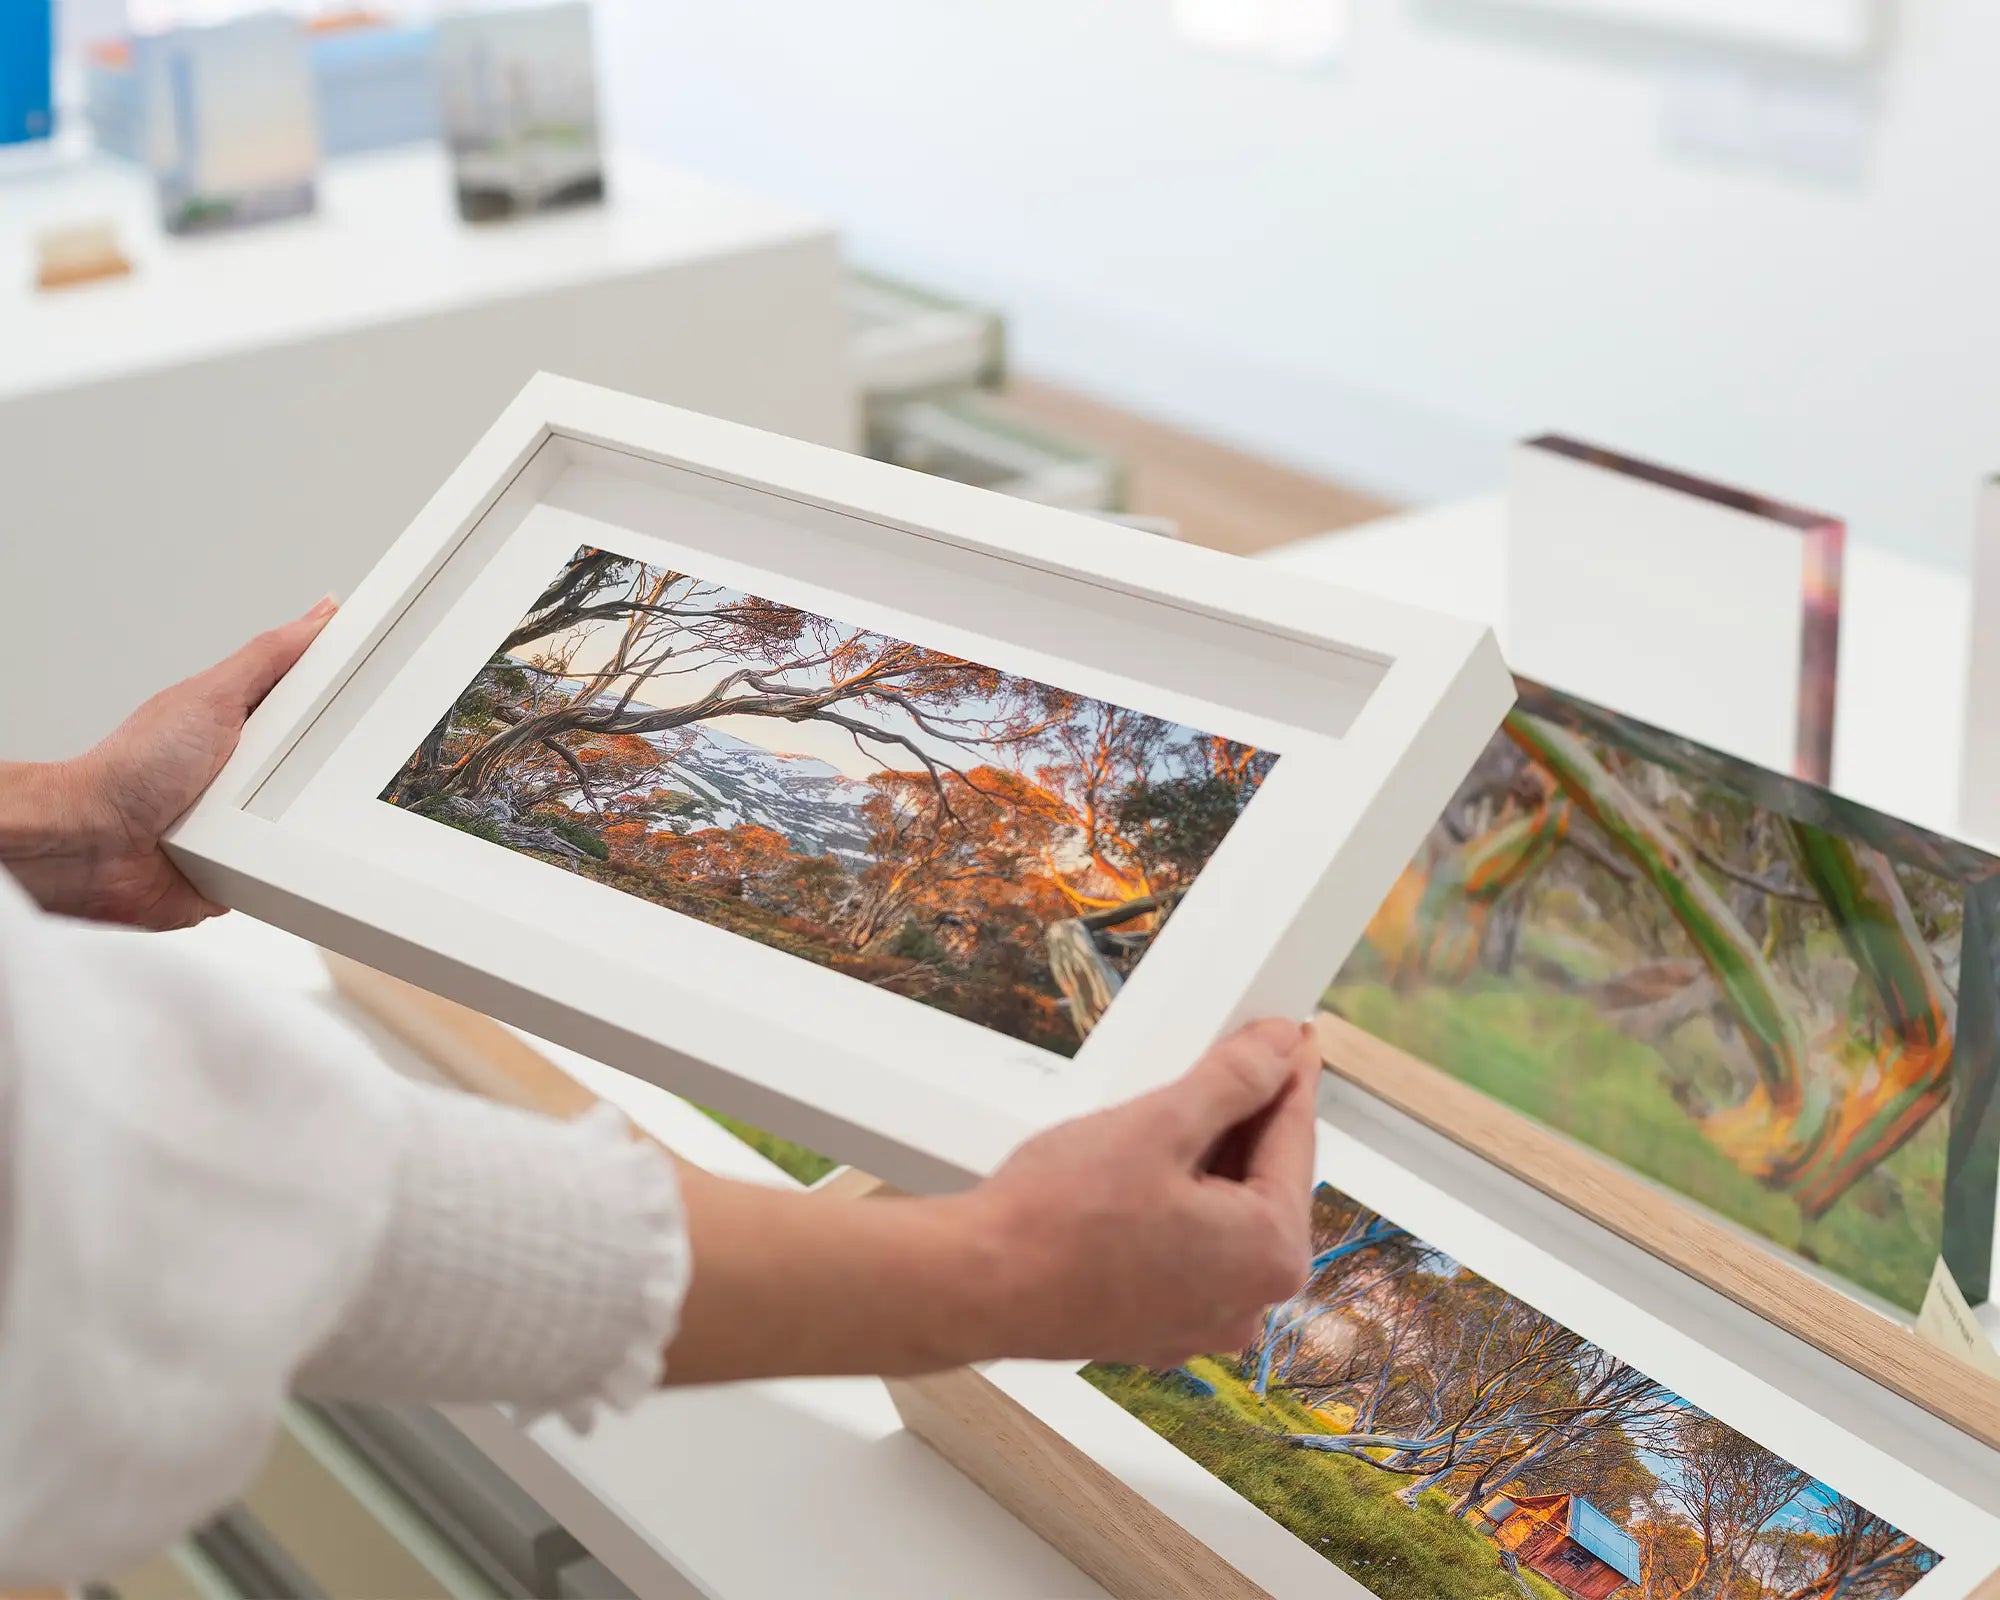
(577,834)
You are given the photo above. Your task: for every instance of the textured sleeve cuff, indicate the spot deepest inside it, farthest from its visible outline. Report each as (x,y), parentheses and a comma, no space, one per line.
(535,1263)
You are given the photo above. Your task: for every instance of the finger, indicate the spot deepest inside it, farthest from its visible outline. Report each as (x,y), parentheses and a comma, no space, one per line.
(253,671)
(1231,1156)
(1280,1161)
(1236,1079)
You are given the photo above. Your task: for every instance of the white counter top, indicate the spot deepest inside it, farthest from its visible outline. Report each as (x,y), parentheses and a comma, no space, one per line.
(249,419)
(385,245)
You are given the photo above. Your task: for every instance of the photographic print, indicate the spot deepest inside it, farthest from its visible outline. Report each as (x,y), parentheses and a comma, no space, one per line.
(1772,1000)
(1438,1439)
(519,91)
(232,131)
(996,847)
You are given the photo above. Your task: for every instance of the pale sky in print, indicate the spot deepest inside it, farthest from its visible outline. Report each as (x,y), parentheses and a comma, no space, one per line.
(837,747)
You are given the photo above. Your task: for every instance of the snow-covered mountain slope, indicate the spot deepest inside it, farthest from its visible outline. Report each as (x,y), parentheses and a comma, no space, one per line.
(808,801)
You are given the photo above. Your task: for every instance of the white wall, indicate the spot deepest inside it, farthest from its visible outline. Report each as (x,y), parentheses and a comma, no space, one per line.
(1465,233)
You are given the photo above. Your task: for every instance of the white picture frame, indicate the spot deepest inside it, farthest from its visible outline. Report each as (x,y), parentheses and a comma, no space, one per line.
(1376,711)
(1934,1482)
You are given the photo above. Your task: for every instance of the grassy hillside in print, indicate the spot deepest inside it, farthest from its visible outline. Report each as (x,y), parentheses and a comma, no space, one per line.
(1500,1040)
(987,844)
(1438,1439)
(1752,1003)
(787,1155)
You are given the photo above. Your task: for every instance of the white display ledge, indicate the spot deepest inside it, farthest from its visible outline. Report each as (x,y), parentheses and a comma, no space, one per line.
(385,244)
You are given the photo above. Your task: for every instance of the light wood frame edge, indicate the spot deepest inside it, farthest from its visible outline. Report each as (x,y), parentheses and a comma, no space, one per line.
(1759,1280)
(1128,1545)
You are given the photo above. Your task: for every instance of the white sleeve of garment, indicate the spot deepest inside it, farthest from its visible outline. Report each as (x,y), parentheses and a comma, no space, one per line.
(210,1199)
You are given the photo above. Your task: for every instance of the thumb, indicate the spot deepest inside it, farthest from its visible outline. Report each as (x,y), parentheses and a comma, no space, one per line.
(253,671)
(1238,1078)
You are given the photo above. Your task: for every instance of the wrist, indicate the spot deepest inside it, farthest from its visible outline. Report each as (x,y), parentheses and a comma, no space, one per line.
(998,1286)
(45,810)
(53,828)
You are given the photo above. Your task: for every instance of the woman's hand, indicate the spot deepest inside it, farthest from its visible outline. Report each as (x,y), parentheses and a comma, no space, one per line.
(1150,1232)
(83,836)
(1162,1229)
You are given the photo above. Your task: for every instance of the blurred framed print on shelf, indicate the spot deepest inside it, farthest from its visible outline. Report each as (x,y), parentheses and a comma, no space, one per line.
(518,86)
(231,127)
(894,816)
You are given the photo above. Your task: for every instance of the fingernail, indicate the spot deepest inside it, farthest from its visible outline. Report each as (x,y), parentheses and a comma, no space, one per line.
(324,606)
(1306,1032)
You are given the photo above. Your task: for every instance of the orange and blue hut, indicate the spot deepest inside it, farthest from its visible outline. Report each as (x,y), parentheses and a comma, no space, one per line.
(1565,1539)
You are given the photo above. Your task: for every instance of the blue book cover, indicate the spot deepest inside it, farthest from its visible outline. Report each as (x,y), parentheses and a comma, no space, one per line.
(27,48)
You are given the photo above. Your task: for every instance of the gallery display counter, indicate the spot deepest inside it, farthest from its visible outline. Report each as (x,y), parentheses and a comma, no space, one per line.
(246,421)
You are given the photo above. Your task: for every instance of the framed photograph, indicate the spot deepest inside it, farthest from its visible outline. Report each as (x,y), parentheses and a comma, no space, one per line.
(232,133)
(1614,562)
(1754,992)
(896,817)
(1465,1401)
(518,86)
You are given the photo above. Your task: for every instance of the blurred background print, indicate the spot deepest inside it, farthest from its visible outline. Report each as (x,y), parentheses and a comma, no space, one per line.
(519,90)
(231,134)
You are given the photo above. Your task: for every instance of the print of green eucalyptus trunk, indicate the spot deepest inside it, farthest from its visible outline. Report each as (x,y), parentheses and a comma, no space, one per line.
(1811,1126)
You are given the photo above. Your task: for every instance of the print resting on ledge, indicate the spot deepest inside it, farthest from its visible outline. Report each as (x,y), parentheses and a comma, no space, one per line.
(995,847)
(1438,1439)
(1773,1000)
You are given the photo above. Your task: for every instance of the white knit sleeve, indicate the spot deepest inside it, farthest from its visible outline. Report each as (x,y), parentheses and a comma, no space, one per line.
(524,1260)
(210,1195)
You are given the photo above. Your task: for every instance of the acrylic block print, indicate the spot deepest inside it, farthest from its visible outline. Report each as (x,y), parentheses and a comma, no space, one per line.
(1611,569)
(1438,1439)
(1772,1000)
(519,89)
(232,132)
(996,847)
